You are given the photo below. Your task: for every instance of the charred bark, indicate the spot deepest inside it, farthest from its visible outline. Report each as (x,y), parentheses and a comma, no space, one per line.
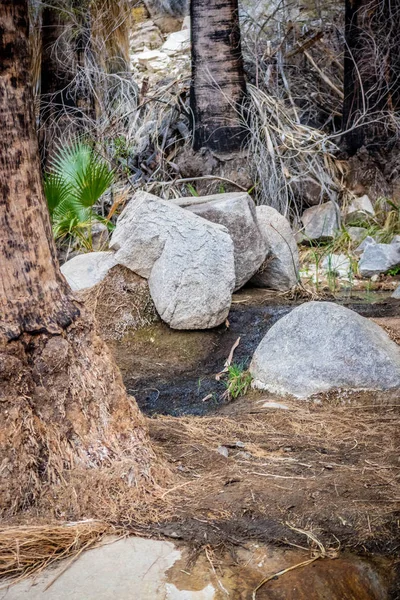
(218,83)
(371,73)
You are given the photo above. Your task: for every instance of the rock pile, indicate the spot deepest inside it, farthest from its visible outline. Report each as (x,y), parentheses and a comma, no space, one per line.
(194,252)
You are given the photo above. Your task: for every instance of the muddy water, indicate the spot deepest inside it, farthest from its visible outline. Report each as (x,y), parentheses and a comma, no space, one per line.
(172,372)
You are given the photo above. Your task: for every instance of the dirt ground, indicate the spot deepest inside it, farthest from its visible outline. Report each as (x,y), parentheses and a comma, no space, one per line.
(264,467)
(321,476)
(330,467)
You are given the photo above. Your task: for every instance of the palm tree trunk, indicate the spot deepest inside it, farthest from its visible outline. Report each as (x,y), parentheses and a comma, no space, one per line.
(33,295)
(218,83)
(63,407)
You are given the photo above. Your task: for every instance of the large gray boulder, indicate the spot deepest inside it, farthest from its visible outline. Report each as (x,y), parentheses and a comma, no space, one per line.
(320,222)
(237,212)
(378,258)
(280,268)
(321,346)
(86,270)
(188,261)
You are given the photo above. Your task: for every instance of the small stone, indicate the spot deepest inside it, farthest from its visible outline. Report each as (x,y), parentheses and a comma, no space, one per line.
(396,293)
(223,450)
(100,236)
(179,41)
(357,234)
(277,405)
(359,209)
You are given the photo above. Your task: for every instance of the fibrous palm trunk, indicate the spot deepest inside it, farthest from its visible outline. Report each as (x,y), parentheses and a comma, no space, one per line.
(62,402)
(218,83)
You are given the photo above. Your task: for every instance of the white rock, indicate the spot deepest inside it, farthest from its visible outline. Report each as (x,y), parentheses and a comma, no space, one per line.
(280,269)
(237,212)
(189,261)
(320,346)
(186,22)
(85,270)
(173,593)
(152,59)
(338,264)
(179,41)
(277,405)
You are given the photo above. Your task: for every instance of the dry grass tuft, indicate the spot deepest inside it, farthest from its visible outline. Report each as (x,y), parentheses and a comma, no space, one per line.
(25,551)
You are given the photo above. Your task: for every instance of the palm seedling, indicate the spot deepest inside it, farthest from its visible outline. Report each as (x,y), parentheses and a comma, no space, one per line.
(77,179)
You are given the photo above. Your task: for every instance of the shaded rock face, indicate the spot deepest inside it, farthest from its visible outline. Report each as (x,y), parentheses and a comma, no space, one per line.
(237,212)
(308,191)
(86,270)
(167,14)
(121,302)
(280,269)
(378,258)
(188,261)
(320,222)
(174,8)
(321,346)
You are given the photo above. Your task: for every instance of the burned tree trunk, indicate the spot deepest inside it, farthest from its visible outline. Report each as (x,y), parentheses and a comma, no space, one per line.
(63,404)
(372,73)
(218,83)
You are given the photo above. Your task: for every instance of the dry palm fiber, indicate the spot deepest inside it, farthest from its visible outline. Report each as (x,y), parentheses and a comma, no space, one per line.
(27,550)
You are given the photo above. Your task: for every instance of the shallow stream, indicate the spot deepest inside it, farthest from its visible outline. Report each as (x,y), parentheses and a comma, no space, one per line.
(173,372)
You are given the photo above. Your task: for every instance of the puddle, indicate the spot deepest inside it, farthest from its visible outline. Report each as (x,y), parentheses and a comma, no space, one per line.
(171,372)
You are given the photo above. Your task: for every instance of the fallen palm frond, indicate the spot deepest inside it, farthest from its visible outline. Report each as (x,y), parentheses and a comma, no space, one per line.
(28,550)
(286,155)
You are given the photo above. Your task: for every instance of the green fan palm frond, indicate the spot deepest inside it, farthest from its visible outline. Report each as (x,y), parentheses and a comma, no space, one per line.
(89,186)
(70,162)
(77,180)
(56,190)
